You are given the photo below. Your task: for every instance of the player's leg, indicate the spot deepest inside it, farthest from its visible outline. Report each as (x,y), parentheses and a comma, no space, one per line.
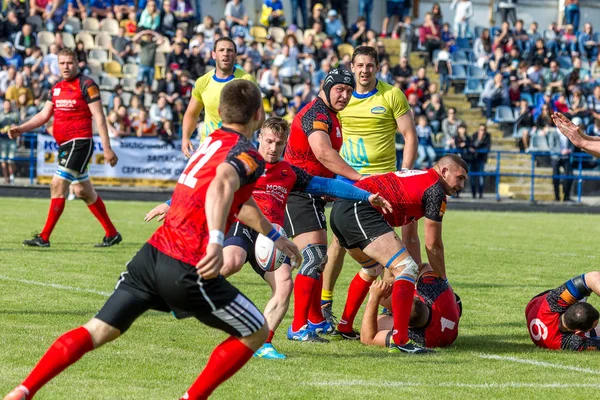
(389,251)
(235,249)
(357,292)
(335,262)
(410,238)
(84,190)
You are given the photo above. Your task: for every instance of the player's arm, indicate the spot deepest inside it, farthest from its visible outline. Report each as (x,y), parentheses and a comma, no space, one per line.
(406,126)
(320,144)
(251,216)
(369,333)
(319,186)
(434,201)
(589,144)
(38,120)
(159,211)
(190,120)
(98,115)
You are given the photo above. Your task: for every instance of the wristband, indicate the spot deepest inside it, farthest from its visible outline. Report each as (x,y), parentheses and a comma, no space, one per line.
(273,234)
(168,202)
(216,237)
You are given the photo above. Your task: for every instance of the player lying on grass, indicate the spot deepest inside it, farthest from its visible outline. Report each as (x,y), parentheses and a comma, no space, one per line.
(271,193)
(177,270)
(434,317)
(560,319)
(369,237)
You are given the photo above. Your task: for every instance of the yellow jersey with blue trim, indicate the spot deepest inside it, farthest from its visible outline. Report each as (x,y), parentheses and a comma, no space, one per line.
(369,128)
(207,91)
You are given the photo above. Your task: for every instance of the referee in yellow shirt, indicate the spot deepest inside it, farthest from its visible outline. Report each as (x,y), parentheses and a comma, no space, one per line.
(375,113)
(207,92)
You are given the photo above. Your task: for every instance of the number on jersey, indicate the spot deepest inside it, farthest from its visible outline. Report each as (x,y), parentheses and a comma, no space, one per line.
(206,151)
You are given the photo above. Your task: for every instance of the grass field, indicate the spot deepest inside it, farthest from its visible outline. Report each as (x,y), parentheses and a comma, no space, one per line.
(495,261)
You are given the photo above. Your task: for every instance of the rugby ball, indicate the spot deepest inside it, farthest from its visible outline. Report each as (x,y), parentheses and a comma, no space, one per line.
(268,257)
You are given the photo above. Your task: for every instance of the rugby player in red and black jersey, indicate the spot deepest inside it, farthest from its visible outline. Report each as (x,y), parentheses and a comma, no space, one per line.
(434,317)
(271,195)
(369,236)
(560,319)
(177,270)
(314,145)
(74,101)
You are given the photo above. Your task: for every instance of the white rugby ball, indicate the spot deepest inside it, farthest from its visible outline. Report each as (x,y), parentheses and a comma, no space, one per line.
(268,257)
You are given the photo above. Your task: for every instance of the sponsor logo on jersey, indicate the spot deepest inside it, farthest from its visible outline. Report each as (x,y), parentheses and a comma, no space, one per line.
(447,324)
(65,103)
(378,110)
(284,172)
(56,92)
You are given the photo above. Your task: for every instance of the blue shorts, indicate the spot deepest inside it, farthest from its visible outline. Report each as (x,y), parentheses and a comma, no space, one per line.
(395,9)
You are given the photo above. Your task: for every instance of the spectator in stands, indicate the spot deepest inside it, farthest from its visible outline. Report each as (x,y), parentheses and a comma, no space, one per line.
(51,60)
(317,17)
(523,126)
(495,93)
(415,105)
(508,10)
(11,26)
(272,13)
(299,4)
(150,18)
(594,129)
(129,25)
(443,67)
(7,78)
(461,142)
(185,87)
(521,37)
(553,78)
(568,42)
(35,60)
(288,65)
(168,87)
(101,8)
(587,44)
(20,8)
(430,36)
(25,110)
(436,14)
(11,57)
(208,29)
(560,105)
(115,127)
(572,13)
(196,63)
(572,80)
(120,47)
(425,149)
(177,61)
(270,82)
(593,102)
(384,74)
(81,55)
(122,8)
(395,9)
(40,94)
(8,147)
(536,77)
(236,15)
(595,70)
(503,38)
(334,27)
(514,91)
(578,107)
(183,10)
(435,112)
(482,48)
(481,142)
(168,21)
(25,39)
(279,105)
(160,112)
(144,126)
(402,73)
(135,106)
(14,91)
(462,15)
(303,95)
(561,149)
(450,124)
(413,87)
(358,32)
(149,42)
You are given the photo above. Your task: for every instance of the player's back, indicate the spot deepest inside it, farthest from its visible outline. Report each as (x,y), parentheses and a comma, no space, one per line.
(404,190)
(543,322)
(207,91)
(184,234)
(369,128)
(315,116)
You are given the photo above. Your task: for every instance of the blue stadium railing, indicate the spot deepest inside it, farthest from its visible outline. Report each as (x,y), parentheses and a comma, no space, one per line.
(579,158)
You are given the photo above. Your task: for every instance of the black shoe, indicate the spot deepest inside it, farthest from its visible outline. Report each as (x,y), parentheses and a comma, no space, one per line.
(110,241)
(346,335)
(37,241)
(409,348)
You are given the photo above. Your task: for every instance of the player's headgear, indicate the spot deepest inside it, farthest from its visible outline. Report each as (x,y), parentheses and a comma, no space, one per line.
(337,76)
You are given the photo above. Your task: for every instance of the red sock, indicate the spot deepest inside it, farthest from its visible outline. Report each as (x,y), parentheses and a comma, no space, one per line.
(57,205)
(270,338)
(357,292)
(99,211)
(315,315)
(303,289)
(402,299)
(66,350)
(225,360)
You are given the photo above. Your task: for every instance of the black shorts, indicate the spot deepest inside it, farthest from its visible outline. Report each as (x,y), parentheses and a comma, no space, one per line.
(75,155)
(357,223)
(243,236)
(154,280)
(304,213)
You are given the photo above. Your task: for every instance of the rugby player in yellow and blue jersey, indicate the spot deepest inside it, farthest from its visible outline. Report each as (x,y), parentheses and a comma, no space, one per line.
(207,91)
(375,113)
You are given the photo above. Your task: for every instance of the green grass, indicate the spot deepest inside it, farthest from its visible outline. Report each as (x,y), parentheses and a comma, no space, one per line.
(495,261)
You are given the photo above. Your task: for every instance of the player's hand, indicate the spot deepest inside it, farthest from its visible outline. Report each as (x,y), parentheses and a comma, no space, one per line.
(14,132)
(381,289)
(210,266)
(187,147)
(569,129)
(159,211)
(110,157)
(377,201)
(291,250)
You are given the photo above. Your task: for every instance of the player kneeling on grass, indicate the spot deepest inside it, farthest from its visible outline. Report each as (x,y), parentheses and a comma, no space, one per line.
(560,319)
(434,317)
(369,237)
(271,194)
(178,269)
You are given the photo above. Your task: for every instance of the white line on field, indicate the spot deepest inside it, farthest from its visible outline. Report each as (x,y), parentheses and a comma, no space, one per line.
(357,382)
(535,251)
(538,363)
(54,286)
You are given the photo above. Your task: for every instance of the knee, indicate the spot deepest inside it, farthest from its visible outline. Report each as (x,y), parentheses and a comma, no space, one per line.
(314,260)
(231,266)
(284,288)
(101,332)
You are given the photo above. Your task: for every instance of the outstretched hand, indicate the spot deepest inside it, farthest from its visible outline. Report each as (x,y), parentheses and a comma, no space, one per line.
(377,201)
(159,211)
(14,132)
(291,250)
(569,129)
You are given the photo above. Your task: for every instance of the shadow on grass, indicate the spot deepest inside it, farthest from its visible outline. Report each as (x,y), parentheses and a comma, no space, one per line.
(492,343)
